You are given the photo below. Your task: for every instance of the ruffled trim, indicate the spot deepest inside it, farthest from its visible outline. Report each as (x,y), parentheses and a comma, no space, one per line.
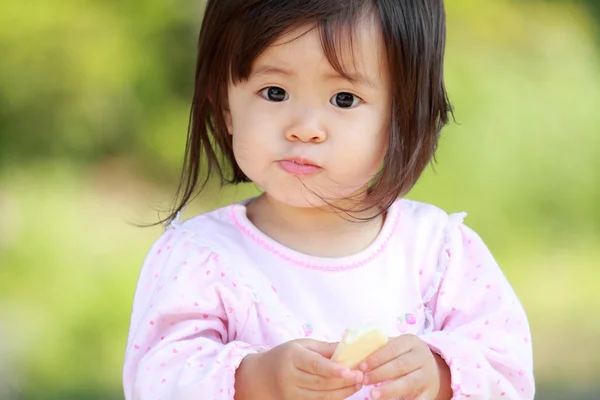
(176,222)
(341,264)
(436,342)
(454,220)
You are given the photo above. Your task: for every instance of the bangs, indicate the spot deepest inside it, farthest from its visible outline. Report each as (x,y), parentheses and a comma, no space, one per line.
(336,21)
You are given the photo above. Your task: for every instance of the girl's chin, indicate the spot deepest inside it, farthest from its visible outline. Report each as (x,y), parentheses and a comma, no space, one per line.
(306,199)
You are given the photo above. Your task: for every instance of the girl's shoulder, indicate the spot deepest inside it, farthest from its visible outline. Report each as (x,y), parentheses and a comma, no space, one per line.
(432,229)
(216,230)
(207,243)
(421,220)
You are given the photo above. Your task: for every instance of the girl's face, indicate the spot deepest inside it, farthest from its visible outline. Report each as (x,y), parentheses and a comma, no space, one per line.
(304,133)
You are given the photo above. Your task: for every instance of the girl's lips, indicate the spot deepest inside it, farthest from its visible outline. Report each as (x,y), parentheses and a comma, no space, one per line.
(298,167)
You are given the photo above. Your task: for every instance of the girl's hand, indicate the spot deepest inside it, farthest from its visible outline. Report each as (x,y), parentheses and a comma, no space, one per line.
(299,369)
(413,371)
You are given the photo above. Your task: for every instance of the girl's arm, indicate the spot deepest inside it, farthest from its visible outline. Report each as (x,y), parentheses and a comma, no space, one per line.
(477,324)
(187,314)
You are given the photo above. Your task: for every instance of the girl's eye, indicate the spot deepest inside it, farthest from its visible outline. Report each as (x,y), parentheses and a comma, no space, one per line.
(274,93)
(345,100)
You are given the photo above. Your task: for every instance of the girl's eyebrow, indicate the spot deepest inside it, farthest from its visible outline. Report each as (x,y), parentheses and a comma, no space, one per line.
(353,77)
(272,70)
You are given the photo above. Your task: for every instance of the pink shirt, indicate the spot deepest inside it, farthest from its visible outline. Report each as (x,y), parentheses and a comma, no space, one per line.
(214,289)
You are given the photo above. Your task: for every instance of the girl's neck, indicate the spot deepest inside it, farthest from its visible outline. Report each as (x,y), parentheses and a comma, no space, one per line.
(316,231)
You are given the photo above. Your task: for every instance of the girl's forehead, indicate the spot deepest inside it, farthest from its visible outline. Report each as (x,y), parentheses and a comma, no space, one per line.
(351,51)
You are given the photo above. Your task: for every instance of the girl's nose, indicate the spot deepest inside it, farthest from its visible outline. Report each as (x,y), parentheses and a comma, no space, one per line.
(305,134)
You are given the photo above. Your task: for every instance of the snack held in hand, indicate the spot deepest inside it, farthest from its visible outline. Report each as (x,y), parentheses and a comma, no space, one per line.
(357,344)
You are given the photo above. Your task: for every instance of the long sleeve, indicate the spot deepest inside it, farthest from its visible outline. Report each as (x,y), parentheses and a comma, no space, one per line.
(189,309)
(477,324)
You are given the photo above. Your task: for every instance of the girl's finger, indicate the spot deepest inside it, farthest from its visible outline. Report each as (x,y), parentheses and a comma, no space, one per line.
(394,369)
(336,394)
(408,386)
(393,349)
(320,383)
(315,364)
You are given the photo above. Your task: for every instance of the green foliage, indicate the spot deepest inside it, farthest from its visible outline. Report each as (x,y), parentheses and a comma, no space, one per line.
(91,79)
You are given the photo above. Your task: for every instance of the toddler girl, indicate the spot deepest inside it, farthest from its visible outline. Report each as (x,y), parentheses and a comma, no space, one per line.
(333,108)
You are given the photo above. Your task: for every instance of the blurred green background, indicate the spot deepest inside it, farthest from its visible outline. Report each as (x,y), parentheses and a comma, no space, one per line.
(94,100)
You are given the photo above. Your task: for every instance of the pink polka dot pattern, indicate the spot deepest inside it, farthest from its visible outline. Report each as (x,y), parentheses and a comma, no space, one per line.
(204,302)
(478,326)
